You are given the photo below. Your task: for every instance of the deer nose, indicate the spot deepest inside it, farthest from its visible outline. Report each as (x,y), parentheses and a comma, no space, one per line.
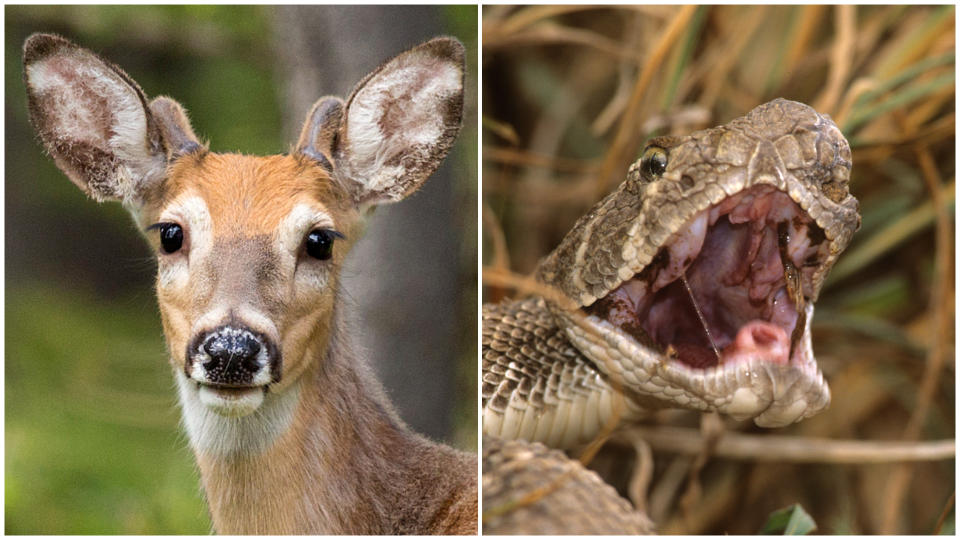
(231,355)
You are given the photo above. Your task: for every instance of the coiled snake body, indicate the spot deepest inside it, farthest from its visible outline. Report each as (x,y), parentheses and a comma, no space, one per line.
(690,286)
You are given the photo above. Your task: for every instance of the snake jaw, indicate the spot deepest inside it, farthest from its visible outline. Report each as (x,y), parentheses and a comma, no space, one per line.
(773,395)
(633,322)
(783,144)
(729,285)
(771,190)
(735,336)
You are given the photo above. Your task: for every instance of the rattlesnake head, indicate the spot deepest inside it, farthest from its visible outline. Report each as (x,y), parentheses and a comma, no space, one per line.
(695,280)
(690,286)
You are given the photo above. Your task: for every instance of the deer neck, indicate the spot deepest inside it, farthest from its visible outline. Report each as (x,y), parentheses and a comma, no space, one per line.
(327,455)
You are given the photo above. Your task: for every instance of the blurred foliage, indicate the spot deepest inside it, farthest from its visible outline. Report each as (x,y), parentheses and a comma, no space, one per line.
(93,444)
(461,21)
(572,92)
(791,520)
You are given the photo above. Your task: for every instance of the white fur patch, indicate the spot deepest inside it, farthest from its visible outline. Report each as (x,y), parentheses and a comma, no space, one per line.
(252,318)
(215,316)
(302,219)
(75,121)
(231,403)
(217,435)
(257,321)
(190,211)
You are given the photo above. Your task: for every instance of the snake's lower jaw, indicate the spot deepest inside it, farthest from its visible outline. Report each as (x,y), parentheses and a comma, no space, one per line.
(793,407)
(771,392)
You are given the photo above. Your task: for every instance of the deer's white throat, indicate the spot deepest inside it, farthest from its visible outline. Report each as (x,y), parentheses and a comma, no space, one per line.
(213,433)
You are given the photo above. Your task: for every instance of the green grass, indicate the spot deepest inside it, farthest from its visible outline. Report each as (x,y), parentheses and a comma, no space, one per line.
(92,441)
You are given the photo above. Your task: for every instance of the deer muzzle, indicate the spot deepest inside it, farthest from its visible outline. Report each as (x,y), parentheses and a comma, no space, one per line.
(232,356)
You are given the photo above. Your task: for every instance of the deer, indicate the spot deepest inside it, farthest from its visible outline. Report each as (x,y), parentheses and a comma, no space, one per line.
(291,431)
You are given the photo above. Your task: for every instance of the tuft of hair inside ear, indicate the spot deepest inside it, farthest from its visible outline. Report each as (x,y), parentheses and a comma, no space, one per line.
(94,124)
(400,124)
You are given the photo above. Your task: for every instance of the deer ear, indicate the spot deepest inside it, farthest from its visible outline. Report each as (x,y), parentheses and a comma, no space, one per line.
(400,122)
(318,138)
(178,136)
(92,118)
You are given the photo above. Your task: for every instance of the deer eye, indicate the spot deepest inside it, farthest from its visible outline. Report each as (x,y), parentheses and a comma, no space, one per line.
(319,243)
(171,237)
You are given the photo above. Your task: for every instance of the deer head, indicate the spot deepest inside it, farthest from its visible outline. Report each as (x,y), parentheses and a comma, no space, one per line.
(248,248)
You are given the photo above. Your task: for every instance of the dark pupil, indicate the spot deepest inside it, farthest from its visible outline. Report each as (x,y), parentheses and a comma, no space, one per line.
(654,165)
(320,244)
(171,237)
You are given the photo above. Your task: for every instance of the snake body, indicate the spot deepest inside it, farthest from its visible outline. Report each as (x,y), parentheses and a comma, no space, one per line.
(690,286)
(528,483)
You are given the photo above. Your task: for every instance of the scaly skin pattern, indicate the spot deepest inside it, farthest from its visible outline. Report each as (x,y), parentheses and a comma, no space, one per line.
(556,373)
(530,488)
(537,386)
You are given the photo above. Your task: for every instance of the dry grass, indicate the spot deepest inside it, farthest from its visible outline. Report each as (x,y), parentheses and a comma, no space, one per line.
(570,95)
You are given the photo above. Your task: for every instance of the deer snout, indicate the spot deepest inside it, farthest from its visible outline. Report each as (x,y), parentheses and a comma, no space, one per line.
(232,356)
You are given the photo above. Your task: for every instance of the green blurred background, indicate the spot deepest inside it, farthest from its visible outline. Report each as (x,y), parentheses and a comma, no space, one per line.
(93,444)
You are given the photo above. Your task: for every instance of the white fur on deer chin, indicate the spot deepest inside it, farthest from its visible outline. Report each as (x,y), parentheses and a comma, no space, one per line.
(214,434)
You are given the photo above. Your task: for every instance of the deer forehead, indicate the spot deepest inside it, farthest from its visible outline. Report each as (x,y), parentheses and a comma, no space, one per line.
(230,195)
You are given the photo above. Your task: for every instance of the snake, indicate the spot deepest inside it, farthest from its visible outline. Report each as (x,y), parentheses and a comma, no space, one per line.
(692,285)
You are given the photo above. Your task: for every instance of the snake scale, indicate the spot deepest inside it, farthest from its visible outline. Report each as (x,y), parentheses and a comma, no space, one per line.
(691,286)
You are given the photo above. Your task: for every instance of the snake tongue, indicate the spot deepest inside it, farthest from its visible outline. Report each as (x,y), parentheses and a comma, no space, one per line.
(758,341)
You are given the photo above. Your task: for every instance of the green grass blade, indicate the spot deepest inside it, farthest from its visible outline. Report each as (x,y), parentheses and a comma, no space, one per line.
(790,520)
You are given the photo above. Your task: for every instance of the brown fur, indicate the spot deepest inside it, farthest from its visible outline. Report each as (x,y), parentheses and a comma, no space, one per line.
(369,473)
(346,451)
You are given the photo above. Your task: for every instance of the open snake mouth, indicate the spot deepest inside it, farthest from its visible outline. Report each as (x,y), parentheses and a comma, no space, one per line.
(729,286)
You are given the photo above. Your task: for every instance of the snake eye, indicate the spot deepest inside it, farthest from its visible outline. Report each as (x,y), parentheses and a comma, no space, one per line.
(171,237)
(653,163)
(319,243)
